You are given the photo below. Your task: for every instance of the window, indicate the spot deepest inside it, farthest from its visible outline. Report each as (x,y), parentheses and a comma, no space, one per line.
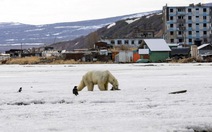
(189,10)
(197,9)
(190,40)
(181,25)
(189,25)
(171,10)
(204,17)
(197,24)
(189,32)
(204,25)
(132,42)
(172,40)
(180,17)
(112,42)
(171,25)
(180,40)
(197,31)
(171,33)
(171,17)
(119,42)
(189,17)
(179,32)
(205,40)
(197,16)
(204,10)
(205,32)
(140,41)
(126,41)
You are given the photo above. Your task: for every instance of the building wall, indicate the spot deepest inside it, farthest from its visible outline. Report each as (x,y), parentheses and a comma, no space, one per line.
(158,56)
(131,42)
(124,56)
(187,24)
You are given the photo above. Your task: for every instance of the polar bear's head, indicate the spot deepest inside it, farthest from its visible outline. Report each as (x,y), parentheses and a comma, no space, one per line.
(115,84)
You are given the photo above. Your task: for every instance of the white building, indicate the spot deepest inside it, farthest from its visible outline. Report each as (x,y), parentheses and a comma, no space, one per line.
(4,57)
(130,42)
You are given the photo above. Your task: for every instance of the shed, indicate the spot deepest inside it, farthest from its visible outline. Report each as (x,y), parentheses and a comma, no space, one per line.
(205,52)
(124,56)
(180,52)
(205,49)
(157,50)
(14,52)
(4,57)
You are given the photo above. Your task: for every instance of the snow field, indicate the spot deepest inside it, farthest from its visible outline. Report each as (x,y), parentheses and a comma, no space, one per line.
(143,103)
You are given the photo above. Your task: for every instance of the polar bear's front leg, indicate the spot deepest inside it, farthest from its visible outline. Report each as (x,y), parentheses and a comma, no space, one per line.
(90,87)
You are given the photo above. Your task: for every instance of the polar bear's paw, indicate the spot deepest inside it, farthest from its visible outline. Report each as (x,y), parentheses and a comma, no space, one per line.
(113,88)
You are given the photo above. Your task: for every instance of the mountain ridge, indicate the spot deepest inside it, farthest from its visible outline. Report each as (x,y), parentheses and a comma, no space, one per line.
(17,33)
(124,28)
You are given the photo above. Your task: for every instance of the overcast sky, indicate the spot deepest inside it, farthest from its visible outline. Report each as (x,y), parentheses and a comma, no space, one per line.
(53,11)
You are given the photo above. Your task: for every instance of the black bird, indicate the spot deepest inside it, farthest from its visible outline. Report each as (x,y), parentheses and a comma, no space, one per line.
(75,91)
(20,89)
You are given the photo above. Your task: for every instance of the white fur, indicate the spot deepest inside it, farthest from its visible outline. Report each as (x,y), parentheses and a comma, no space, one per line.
(101,78)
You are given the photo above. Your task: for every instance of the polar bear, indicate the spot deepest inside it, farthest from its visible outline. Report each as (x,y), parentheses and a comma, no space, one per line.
(101,78)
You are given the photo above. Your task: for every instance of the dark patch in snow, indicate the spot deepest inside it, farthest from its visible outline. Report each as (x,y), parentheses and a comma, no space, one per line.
(19,103)
(152,106)
(205,128)
(42,91)
(101,101)
(82,101)
(40,102)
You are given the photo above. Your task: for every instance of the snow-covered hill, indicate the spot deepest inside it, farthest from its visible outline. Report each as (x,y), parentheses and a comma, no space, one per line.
(17,33)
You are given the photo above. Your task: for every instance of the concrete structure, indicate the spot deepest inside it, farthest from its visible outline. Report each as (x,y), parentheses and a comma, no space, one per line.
(188,24)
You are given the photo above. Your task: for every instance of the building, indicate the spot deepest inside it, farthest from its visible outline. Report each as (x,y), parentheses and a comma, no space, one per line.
(132,40)
(155,50)
(14,52)
(188,24)
(4,57)
(205,51)
(128,42)
(124,57)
